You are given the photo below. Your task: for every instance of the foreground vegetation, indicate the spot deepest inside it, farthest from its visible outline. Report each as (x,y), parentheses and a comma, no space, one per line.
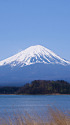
(56,117)
(39,87)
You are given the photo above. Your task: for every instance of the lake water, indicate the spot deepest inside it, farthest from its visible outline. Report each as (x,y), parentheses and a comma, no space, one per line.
(39,104)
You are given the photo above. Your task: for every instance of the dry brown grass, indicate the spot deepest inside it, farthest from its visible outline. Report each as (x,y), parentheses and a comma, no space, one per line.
(56,117)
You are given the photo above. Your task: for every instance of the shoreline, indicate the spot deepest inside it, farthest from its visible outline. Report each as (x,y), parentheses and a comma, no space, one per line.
(35,94)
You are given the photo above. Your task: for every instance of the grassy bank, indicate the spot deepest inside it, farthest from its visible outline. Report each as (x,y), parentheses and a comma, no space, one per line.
(54,117)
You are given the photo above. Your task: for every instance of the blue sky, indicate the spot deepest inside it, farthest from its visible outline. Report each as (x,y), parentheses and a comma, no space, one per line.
(24,23)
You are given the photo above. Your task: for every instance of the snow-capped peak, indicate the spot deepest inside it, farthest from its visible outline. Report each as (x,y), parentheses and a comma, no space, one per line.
(32,55)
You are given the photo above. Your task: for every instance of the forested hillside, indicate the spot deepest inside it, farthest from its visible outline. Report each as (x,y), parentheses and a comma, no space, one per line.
(39,87)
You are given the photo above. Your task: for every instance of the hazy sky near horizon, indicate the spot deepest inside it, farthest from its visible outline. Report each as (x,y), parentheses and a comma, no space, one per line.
(24,23)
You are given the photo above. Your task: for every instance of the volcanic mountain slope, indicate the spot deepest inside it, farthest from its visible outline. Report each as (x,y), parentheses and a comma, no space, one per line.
(33,55)
(35,62)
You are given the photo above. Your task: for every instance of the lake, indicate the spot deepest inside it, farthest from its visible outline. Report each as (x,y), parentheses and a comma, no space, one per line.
(39,104)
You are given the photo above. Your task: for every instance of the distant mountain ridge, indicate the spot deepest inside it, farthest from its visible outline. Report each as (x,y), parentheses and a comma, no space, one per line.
(33,55)
(33,63)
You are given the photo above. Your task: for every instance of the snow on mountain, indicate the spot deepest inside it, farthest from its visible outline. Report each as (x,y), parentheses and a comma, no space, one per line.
(33,63)
(33,55)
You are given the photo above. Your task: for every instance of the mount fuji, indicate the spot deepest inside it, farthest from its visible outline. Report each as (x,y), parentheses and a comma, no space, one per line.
(33,63)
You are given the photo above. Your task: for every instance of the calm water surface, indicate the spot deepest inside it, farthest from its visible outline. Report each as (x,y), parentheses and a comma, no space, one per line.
(10,104)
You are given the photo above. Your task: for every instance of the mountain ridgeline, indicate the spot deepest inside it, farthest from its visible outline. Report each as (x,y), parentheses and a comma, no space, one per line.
(39,87)
(33,63)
